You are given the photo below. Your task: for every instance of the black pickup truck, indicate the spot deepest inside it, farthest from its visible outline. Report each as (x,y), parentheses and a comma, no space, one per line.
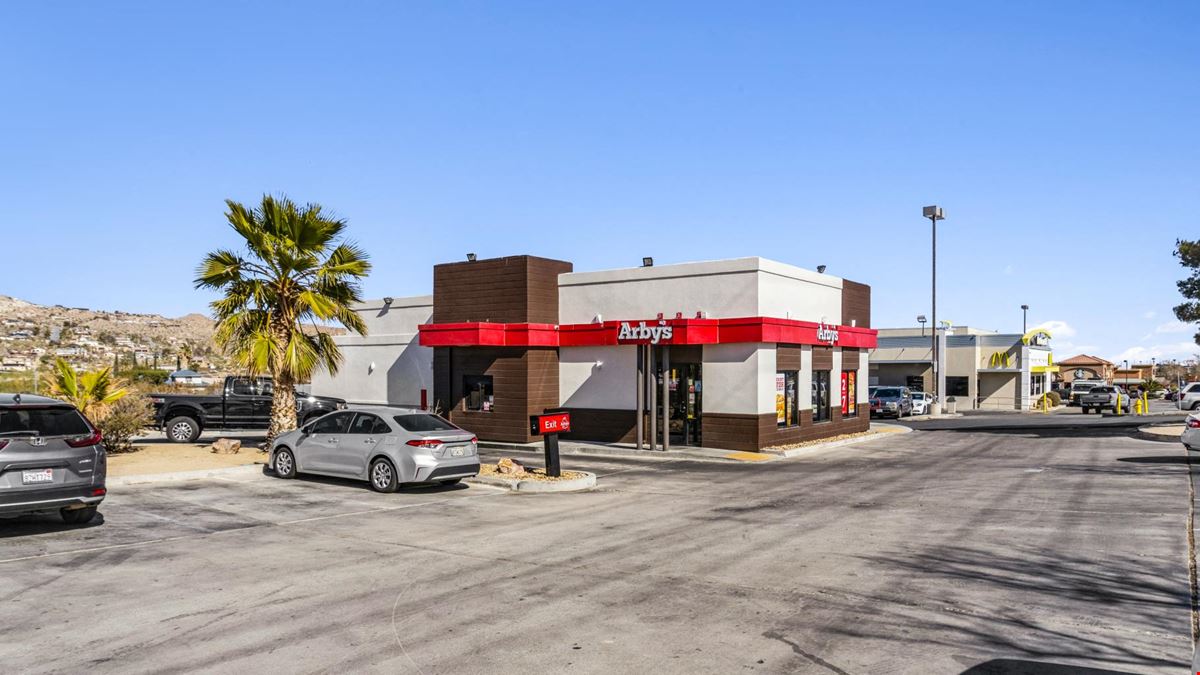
(244,403)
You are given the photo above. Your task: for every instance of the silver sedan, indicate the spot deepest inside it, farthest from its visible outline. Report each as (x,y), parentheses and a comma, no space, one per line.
(1191,432)
(383,445)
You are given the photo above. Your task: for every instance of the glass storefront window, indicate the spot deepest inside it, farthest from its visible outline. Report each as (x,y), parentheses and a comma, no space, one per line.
(820,395)
(786,412)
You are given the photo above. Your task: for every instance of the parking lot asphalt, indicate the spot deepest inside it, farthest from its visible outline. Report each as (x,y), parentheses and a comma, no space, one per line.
(931,552)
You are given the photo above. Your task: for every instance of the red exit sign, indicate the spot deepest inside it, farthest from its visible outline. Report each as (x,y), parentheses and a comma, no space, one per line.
(552,423)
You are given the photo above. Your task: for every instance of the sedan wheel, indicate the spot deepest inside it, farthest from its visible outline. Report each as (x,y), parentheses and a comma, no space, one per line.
(383,476)
(285,463)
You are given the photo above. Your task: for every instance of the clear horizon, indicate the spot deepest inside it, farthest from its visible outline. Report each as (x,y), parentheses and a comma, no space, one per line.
(1061,141)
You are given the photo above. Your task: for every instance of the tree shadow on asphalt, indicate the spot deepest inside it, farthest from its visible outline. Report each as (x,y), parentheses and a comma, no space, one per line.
(41,523)
(1060,603)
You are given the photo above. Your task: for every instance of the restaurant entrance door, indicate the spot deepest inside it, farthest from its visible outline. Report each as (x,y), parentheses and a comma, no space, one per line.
(687,395)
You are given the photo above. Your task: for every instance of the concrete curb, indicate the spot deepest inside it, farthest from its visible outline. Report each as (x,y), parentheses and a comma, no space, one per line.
(923,418)
(224,472)
(534,486)
(565,449)
(877,434)
(1144,433)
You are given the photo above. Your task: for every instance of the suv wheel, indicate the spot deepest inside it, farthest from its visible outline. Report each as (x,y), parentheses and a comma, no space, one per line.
(78,516)
(183,430)
(383,476)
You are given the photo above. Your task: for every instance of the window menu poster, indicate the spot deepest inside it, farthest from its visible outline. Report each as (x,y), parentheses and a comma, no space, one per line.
(845,400)
(851,392)
(780,398)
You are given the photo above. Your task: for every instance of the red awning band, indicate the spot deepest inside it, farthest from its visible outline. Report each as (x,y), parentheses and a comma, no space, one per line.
(683,332)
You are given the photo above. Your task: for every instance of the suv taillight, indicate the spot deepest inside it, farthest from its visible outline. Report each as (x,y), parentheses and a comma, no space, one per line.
(83,441)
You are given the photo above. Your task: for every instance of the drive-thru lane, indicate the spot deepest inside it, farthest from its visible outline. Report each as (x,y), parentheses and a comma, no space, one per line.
(928,552)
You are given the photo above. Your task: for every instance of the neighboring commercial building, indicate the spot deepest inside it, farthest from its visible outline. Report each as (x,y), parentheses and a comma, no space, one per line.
(983,369)
(756,353)
(1086,367)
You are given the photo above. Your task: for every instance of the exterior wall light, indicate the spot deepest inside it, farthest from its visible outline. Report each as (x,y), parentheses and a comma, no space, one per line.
(470,257)
(820,269)
(647,262)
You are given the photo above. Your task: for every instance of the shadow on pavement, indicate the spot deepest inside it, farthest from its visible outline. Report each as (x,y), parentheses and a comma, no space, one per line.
(408,488)
(41,523)
(1134,591)
(1177,459)
(1023,667)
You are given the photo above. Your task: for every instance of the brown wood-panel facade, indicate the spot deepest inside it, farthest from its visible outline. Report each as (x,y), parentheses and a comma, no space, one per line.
(524,383)
(515,289)
(856,304)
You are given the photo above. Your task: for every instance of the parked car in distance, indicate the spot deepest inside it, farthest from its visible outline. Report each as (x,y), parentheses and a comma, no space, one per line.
(1106,397)
(1189,396)
(894,401)
(1191,433)
(921,401)
(244,403)
(51,459)
(1081,387)
(383,445)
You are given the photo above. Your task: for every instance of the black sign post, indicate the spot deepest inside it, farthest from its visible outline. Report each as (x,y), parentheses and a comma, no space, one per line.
(548,427)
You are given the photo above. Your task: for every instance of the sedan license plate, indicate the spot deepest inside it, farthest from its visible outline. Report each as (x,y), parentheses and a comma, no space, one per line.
(34,476)
(458,452)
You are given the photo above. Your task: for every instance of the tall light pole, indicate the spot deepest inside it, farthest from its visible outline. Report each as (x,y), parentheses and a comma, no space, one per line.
(934,214)
(1024,319)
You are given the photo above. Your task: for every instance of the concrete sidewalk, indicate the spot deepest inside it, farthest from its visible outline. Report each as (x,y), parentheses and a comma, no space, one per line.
(586,448)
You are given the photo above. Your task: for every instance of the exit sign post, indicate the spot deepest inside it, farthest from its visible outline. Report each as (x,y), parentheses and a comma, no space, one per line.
(549,426)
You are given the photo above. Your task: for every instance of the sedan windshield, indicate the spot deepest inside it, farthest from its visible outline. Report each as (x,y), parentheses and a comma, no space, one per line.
(419,422)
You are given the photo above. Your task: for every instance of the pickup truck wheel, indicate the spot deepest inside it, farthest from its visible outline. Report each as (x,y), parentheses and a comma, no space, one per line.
(182,430)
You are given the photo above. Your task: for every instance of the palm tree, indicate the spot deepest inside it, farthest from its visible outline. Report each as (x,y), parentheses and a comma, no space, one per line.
(90,392)
(295,274)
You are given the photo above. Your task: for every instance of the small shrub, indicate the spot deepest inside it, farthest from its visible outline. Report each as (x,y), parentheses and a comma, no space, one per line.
(1055,398)
(124,420)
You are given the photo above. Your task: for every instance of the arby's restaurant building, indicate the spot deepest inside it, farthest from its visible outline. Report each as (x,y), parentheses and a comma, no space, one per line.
(740,354)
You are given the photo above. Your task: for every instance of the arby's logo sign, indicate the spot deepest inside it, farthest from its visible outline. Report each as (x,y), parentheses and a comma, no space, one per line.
(643,333)
(826,333)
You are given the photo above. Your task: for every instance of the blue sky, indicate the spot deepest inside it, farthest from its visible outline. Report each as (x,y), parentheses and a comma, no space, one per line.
(1061,138)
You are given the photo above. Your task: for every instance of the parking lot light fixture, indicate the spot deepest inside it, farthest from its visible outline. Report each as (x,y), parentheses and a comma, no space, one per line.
(921,320)
(934,214)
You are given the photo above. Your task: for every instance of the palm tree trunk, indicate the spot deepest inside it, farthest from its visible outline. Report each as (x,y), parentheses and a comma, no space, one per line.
(283,409)
(283,403)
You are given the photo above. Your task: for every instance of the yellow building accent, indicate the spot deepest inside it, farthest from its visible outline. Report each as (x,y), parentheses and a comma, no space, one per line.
(1028,337)
(1044,369)
(1000,360)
